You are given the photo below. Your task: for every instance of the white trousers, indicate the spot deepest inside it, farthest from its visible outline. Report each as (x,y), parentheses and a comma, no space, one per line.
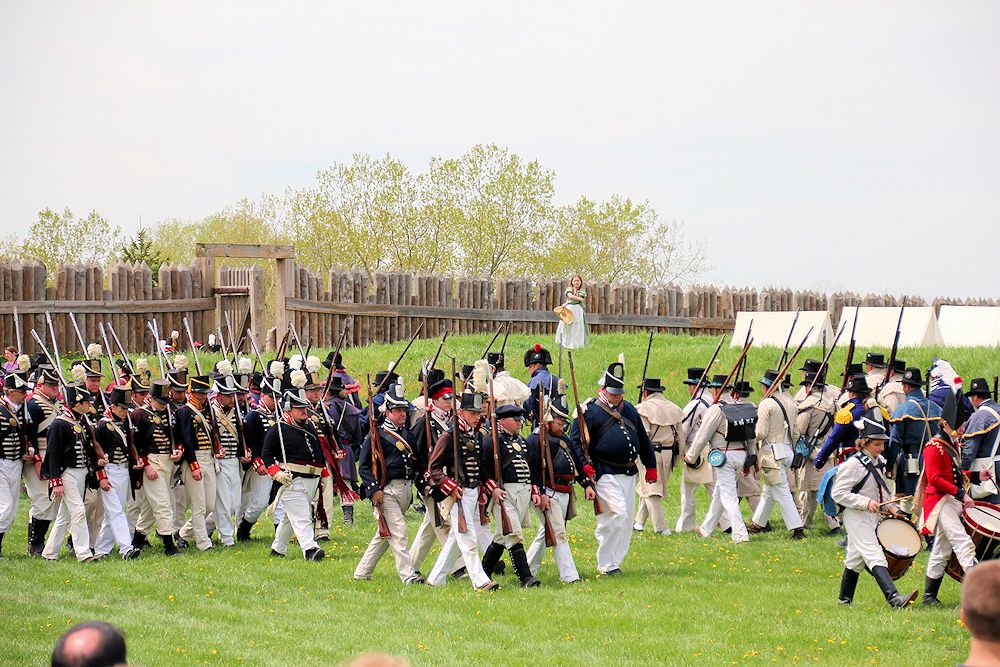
(461,544)
(427,533)
(202,497)
(781,494)
(651,496)
(686,521)
(114,529)
(227,499)
(72,517)
(253,500)
(396,498)
(157,506)
(516,506)
(614,524)
(863,548)
(950,536)
(724,498)
(10,492)
(296,498)
(558,505)
(42,507)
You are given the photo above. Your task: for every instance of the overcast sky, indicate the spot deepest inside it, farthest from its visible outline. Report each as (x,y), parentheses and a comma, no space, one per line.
(809,144)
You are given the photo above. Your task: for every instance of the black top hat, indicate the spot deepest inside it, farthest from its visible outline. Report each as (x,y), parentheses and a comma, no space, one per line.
(242,382)
(653,386)
(294,398)
(123,367)
(336,359)
(912,377)
(467,371)
(199,384)
(810,377)
(979,387)
(743,388)
(441,389)
(694,376)
(769,377)
(717,381)
(537,355)
(178,378)
(394,398)
(898,366)
(559,408)
(16,381)
(160,390)
(138,384)
(858,385)
(385,378)
(120,396)
(613,379)
(255,379)
(876,359)
(811,366)
(871,425)
(76,392)
(92,366)
(514,411)
(471,401)
(337,384)
(432,376)
(855,369)
(47,374)
(495,359)
(224,384)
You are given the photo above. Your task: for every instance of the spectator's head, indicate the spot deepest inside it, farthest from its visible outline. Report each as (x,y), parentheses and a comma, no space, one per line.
(576,282)
(10,353)
(981,602)
(90,644)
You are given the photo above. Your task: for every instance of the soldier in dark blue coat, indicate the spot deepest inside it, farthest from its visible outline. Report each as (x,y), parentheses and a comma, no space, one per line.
(616,439)
(537,360)
(843,435)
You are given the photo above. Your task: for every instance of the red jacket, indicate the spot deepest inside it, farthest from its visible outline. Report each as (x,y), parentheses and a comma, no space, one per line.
(943,476)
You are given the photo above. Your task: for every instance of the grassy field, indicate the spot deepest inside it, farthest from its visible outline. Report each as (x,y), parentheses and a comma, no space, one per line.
(682,599)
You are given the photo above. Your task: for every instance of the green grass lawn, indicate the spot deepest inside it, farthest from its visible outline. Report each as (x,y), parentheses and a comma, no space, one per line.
(682,599)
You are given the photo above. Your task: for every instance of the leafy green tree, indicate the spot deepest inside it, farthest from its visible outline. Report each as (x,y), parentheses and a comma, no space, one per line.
(140,248)
(62,238)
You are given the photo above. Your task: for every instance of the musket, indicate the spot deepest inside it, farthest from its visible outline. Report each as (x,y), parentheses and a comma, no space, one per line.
(159,352)
(505,526)
(492,340)
(444,337)
(545,462)
(378,461)
(784,351)
(156,335)
(996,385)
(243,327)
(333,363)
(214,427)
(743,369)
(427,435)
(645,366)
(824,341)
(700,389)
(826,358)
(399,358)
(121,348)
(850,351)
(277,403)
(17,330)
(133,452)
(892,354)
(582,425)
(784,369)
(79,336)
(503,346)
(732,373)
(463,525)
(241,441)
(280,352)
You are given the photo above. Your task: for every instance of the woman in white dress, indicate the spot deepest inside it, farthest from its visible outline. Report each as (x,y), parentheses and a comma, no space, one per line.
(574,335)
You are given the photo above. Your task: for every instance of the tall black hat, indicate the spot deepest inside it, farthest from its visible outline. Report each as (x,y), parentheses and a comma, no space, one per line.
(336,359)
(653,386)
(716,382)
(694,376)
(912,377)
(876,359)
(199,384)
(537,355)
(178,378)
(613,380)
(495,359)
(872,425)
(120,396)
(47,374)
(979,387)
(471,401)
(898,366)
(224,384)
(92,366)
(811,379)
(858,385)
(394,398)
(558,407)
(16,380)
(811,366)
(294,398)
(138,384)
(160,390)
(76,392)
(743,387)
(855,369)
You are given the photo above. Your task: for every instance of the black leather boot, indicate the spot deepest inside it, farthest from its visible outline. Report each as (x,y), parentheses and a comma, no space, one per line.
(892,596)
(931,588)
(848,584)
(520,561)
(490,558)
(139,540)
(348,515)
(243,531)
(1,544)
(37,544)
(169,548)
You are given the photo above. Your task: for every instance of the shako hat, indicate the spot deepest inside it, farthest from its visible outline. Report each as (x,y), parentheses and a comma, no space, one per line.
(537,355)
(613,380)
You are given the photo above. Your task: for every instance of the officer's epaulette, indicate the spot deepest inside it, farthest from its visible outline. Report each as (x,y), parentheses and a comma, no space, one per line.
(583,407)
(844,415)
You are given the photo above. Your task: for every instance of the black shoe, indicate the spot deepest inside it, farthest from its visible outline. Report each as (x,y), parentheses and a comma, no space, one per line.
(139,541)
(931,588)
(460,573)
(169,549)
(892,596)
(491,558)
(767,527)
(131,554)
(36,545)
(419,508)
(848,584)
(1,544)
(276,554)
(500,568)
(835,531)
(348,515)
(180,541)
(243,531)
(754,529)
(520,560)
(798,534)
(728,531)
(315,554)
(614,573)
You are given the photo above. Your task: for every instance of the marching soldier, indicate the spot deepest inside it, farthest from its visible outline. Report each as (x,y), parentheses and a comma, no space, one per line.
(425,433)
(617,438)
(981,443)
(19,422)
(537,360)
(178,378)
(913,425)
(944,498)
(295,460)
(346,419)
(228,480)
(511,493)
(351,386)
(875,369)
(70,452)
(747,486)
(844,435)
(256,481)
(862,491)
(387,469)
(89,372)
(194,431)
(729,429)
(334,450)
(893,393)
(702,475)
(776,430)
(138,385)
(555,497)
(664,423)
(43,510)
(155,442)
(507,389)
(816,408)
(116,436)
(456,468)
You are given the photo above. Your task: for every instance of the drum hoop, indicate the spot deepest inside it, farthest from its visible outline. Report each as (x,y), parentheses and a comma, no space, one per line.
(975,525)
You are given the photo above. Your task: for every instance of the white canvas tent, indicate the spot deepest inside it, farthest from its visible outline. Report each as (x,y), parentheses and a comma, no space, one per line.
(970,325)
(877,327)
(771,328)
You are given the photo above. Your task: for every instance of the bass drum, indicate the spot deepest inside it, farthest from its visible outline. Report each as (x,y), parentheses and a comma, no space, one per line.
(982,523)
(900,542)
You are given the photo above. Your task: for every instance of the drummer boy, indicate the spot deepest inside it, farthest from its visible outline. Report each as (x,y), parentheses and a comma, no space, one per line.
(860,488)
(944,501)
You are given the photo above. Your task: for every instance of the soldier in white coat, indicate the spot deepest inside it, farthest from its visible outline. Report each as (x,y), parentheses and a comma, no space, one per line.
(702,475)
(663,422)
